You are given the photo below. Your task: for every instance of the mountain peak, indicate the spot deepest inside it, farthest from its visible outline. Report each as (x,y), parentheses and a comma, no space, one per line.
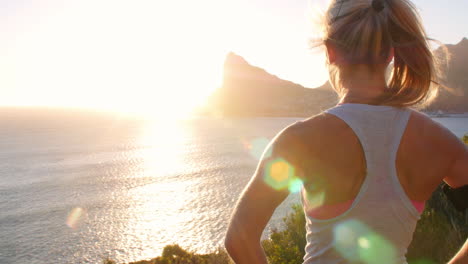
(464,41)
(249,90)
(234,59)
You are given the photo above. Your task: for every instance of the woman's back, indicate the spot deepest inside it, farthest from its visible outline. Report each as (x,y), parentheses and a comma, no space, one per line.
(424,154)
(380,193)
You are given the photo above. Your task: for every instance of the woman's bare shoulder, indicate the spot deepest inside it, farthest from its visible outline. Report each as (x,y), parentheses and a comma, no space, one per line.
(432,131)
(310,135)
(314,128)
(434,135)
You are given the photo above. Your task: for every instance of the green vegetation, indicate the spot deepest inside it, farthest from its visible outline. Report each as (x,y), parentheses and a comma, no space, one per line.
(174,254)
(287,246)
(440,233)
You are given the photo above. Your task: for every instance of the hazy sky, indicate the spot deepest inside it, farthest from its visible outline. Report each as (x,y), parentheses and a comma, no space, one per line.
(154,54)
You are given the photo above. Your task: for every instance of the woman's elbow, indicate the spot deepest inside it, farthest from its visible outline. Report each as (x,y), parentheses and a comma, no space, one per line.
(232,243)
(229,245)
(237,240)
(243,249)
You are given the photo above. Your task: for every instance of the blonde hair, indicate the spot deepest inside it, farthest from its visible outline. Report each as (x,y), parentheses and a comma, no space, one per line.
(365,31)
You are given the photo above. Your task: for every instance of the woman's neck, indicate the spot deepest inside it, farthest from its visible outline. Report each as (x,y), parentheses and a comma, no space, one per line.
(363,86)
(362,96)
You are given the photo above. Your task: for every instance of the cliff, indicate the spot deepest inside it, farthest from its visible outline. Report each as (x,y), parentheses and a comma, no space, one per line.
(251,91)
(455,98)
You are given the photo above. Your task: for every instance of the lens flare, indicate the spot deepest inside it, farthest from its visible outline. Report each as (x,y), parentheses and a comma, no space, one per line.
(258,148)
(313,200)
(278,174)
(295,185)
(74,217)
(357,242)
(363,242)
(345,241)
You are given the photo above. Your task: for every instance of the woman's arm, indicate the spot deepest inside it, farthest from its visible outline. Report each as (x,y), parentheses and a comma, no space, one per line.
(253,211)
(458,177)
(454,150)
(462,256)
(265,191)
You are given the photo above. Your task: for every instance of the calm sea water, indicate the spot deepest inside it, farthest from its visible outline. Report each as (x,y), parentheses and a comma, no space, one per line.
(79,187)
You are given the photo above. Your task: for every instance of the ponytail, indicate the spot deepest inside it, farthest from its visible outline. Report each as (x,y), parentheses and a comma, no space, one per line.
(365,31)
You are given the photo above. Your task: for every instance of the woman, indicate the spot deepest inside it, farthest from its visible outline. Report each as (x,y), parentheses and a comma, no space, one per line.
(367,165)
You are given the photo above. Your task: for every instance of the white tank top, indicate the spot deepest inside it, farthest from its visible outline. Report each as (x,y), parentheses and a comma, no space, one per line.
(379,225)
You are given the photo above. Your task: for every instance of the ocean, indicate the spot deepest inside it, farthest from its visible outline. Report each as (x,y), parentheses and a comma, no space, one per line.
(79,187)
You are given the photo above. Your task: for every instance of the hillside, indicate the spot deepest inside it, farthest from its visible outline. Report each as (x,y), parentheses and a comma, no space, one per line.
(455,99)
(251,91)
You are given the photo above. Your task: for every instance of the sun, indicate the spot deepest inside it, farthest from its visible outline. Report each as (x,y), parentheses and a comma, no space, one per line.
(156,58)
(174,91)
(129,57)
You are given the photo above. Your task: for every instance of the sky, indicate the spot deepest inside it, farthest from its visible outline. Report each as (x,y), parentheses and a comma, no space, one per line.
(151,55)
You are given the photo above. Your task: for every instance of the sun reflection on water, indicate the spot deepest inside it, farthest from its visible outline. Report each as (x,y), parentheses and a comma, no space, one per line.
(161,205)
(163,147)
